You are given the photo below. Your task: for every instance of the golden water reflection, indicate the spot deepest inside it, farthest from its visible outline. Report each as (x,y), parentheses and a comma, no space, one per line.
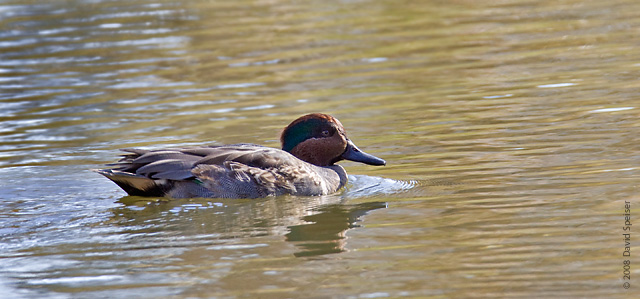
(509,128)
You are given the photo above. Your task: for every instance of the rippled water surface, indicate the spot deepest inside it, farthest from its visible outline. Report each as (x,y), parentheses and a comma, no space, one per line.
(510,130)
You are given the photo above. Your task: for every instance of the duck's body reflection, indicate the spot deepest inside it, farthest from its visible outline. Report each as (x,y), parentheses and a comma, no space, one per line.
(325,231)
(315,225)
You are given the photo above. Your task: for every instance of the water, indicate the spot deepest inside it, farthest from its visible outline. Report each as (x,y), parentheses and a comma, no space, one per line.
(509,129)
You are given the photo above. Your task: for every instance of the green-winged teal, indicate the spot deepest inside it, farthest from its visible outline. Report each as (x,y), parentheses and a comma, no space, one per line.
(311,145)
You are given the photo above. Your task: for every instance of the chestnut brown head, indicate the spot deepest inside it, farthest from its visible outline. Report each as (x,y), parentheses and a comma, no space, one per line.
(320,139)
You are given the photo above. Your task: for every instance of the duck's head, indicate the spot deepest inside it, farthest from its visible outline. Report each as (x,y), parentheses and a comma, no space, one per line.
(320,139)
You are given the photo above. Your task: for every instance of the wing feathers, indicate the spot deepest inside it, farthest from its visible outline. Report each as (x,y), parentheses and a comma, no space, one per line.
(241,170)
(157,168)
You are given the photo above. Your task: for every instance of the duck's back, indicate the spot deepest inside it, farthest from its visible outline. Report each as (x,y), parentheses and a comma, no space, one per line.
(228,171)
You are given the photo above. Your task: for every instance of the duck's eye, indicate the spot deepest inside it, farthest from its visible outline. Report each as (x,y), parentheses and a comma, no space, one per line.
(325,133)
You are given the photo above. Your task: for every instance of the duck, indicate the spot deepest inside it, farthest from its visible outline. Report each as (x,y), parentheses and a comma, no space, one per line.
(304,166)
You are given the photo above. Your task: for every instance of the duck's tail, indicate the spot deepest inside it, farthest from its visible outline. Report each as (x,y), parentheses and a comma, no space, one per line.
(133,184)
